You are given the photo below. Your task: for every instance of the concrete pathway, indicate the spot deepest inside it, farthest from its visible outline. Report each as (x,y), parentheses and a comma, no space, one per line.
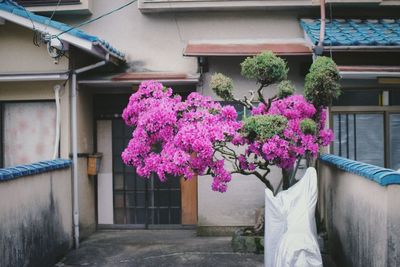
(175,248)
(157,248)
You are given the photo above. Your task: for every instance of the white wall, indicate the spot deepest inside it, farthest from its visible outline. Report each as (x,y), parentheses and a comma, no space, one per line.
(361,218)
(19,54)
(156,41)
(35,219)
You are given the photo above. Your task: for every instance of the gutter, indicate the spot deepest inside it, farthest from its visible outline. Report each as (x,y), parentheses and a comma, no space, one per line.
(46,76)
(109,83)
(371,75)
(74,136)
(381,48)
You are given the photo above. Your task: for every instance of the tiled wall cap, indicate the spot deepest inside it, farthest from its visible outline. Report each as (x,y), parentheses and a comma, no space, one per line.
(32,169)
(380,175)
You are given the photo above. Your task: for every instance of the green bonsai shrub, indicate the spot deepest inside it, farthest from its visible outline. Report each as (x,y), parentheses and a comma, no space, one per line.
(285,89)
(222,86)
(322,82)
(308,126)
(265,68)
(264,127)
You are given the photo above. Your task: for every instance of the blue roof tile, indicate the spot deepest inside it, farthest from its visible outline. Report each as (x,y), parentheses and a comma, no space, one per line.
(380,175)
(355,32)
(32,169)
(9,6)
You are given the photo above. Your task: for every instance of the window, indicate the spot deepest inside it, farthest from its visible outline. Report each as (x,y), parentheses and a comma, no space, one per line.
(394,126)
(365,130)
(28,132)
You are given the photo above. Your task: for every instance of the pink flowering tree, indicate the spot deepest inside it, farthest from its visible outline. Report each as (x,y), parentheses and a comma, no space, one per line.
(198,136)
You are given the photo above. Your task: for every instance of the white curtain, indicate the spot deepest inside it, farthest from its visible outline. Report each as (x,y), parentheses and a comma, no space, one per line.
(29,132)
(395,141)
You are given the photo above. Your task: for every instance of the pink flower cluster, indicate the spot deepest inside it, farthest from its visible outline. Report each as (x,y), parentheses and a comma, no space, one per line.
(283,150)
(176,137)
(179,137)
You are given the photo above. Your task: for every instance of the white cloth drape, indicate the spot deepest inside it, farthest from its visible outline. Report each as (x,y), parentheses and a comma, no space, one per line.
(290,230)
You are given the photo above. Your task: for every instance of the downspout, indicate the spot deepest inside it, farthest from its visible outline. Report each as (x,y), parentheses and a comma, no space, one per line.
(57,89)
(319,49)
(74,135)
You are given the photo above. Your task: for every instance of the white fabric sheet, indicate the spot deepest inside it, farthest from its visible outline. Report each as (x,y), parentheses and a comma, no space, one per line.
(290,230)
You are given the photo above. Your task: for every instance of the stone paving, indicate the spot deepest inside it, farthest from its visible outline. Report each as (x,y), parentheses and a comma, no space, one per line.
(157,248)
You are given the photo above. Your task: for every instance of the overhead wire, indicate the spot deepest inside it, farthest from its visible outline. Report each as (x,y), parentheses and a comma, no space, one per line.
(52,15)
(36,35)
(95,19)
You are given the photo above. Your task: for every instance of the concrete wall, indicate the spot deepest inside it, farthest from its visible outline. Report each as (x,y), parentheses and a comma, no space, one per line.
(361,217)
(35,219)
(156,41)
(87,204)
(19,54)
(26,91)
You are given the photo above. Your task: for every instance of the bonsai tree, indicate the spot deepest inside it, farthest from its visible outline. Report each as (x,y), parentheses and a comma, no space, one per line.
(199,136)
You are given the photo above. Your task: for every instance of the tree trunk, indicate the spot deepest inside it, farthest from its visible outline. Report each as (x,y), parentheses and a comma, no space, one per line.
(286,178)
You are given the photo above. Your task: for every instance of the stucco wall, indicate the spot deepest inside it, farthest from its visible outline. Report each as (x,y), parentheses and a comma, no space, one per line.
(156,41)
(35,219)
(27,91)
(19,54)
(87,205)
(361,217)
(237,206)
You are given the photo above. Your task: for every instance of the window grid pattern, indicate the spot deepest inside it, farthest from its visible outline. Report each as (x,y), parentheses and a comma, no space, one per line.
(138,200)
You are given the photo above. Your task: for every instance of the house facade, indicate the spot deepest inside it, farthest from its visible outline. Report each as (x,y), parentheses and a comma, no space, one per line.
(181,43)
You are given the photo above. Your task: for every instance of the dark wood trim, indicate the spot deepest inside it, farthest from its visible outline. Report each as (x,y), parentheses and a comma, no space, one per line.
(47,2)
(1,135)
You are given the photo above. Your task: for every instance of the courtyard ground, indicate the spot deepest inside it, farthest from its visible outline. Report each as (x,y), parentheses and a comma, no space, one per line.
(157,248)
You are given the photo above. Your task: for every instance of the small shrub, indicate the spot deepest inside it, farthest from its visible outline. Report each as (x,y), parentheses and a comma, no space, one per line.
(308,126)
(222,86)
(263,127)
(285,89)
(266,68)
(322,82)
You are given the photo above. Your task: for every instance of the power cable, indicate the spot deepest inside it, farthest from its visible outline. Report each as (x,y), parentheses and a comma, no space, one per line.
(52,15)
(97,18)
(36,35)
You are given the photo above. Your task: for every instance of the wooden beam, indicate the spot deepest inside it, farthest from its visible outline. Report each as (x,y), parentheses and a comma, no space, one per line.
(389,80)
(189,201)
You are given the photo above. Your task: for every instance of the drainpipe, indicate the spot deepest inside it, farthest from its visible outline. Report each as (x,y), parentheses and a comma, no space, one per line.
(57,89)
(320,47)
(74,135)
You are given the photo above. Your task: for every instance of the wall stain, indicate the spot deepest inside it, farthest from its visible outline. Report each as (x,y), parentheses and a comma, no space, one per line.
(34,237)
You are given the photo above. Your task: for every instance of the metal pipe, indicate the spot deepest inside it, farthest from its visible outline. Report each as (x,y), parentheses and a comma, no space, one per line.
(74,135)
(379,48)
(57,89)
(368,74)
(322,24)
(13,77)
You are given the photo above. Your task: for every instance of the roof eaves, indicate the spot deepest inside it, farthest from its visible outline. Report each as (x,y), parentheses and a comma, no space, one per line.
(79,38)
